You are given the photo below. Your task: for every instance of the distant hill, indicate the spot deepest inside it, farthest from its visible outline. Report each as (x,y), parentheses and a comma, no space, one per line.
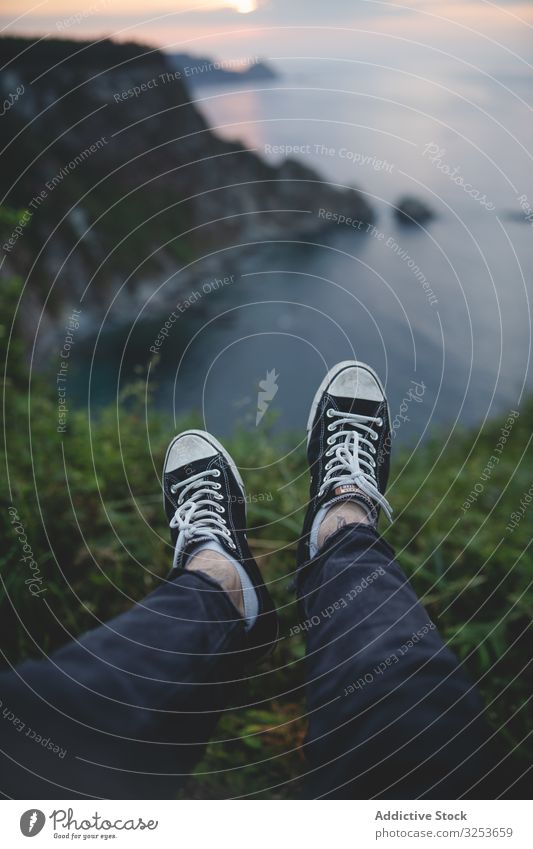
(200,70)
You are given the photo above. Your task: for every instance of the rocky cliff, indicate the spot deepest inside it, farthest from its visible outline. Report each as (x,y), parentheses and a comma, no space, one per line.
(111,178)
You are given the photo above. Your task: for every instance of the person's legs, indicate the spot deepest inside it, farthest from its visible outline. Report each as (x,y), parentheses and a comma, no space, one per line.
(126,711)
(391,713)
(130,705)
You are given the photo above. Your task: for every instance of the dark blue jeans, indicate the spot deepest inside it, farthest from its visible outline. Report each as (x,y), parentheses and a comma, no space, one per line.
(391,711)
(126,711)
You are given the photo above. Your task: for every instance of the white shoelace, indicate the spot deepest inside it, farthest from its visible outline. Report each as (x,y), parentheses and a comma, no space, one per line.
(353,458)
(197,516)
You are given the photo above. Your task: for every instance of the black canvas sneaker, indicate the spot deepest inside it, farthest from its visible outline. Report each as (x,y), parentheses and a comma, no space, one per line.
(348,447)
(204,499)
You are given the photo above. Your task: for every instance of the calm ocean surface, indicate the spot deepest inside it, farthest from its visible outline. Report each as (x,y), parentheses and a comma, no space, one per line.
(298,308)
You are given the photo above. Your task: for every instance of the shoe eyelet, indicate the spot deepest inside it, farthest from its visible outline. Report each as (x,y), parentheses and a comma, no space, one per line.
(380,422)
(216,473)
(173,489)
(217,485)
(329,452)
(329,413)
(219,508)
(331,426)
(374,436)
(233,546)
(330,440)
(218,496)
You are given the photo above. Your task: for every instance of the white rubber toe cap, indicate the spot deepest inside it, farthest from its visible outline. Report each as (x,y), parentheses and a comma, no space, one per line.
(348,379)
(194,445)
(356,382)
(186,449)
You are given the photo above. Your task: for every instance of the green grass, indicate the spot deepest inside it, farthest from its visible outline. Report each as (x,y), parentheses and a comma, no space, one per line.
(102,540)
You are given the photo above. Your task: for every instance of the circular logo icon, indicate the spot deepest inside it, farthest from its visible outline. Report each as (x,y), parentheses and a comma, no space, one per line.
(32,822)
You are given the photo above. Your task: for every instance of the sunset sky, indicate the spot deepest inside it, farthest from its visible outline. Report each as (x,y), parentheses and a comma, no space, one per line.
(233,28)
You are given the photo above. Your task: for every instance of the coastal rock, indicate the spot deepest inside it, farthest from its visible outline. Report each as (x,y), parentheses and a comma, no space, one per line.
(198,71)
(411,211)
(118,179)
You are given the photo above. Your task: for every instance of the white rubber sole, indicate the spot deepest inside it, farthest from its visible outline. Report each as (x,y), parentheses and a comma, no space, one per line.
(217,446)
(329,378)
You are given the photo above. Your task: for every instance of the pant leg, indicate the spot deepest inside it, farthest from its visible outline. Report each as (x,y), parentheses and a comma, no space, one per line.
(391,712)
(125,711)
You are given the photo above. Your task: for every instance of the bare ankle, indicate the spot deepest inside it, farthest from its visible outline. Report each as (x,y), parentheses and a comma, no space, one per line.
(340,515)
(219,568)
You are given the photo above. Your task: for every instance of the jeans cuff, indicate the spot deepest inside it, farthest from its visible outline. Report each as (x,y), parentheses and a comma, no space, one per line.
(357,530)
(222,597)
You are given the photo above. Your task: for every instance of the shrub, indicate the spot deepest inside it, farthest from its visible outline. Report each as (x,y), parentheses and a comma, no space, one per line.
(89,502)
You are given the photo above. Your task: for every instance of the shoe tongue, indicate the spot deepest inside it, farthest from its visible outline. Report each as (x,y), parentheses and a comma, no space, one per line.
(181,556)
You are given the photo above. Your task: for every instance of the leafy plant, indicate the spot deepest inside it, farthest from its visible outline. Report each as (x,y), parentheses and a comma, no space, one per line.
(90,506)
